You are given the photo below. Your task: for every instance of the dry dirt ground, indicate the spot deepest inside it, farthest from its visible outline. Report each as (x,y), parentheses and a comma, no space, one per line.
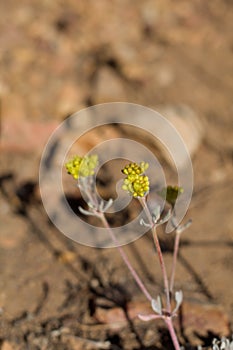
(56,58)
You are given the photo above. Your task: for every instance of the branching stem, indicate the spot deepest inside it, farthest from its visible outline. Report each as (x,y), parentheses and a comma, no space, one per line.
(168,320)
(125,258)
(160,254)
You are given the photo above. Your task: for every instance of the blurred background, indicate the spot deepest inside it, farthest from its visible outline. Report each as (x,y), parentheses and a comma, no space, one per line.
(58,57)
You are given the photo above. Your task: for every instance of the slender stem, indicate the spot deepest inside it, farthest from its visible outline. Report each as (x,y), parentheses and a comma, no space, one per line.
(160,254)
(172,332)
(163,268)
(175,254)
(168,320)
(125,258)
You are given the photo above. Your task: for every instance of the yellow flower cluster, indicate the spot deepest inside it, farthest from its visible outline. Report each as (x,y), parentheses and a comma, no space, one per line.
(136,183)
(82,166)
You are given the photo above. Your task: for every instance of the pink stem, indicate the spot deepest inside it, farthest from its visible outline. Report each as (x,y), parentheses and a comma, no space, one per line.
(141,285)
(160,254)
(175,254)
(163,268)
(125,258)
(172,332)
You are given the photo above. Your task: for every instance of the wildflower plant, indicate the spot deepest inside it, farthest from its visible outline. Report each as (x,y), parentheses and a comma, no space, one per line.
(137,185)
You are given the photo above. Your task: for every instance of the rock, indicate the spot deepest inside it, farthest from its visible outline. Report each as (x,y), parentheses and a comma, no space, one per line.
(136,72)
(109,86)
(200,319)
(67,257)
(40,342)
(69,100)
(13,107)
(197,318)
(13,231)
(78,343)
(8,346)
(19,135)
(165,76)
(187,123)
(116,318)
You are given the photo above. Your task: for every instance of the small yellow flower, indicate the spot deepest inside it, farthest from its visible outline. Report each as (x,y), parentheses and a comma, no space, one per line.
(135,169)
(82,166)
(171,193)
(136,183)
